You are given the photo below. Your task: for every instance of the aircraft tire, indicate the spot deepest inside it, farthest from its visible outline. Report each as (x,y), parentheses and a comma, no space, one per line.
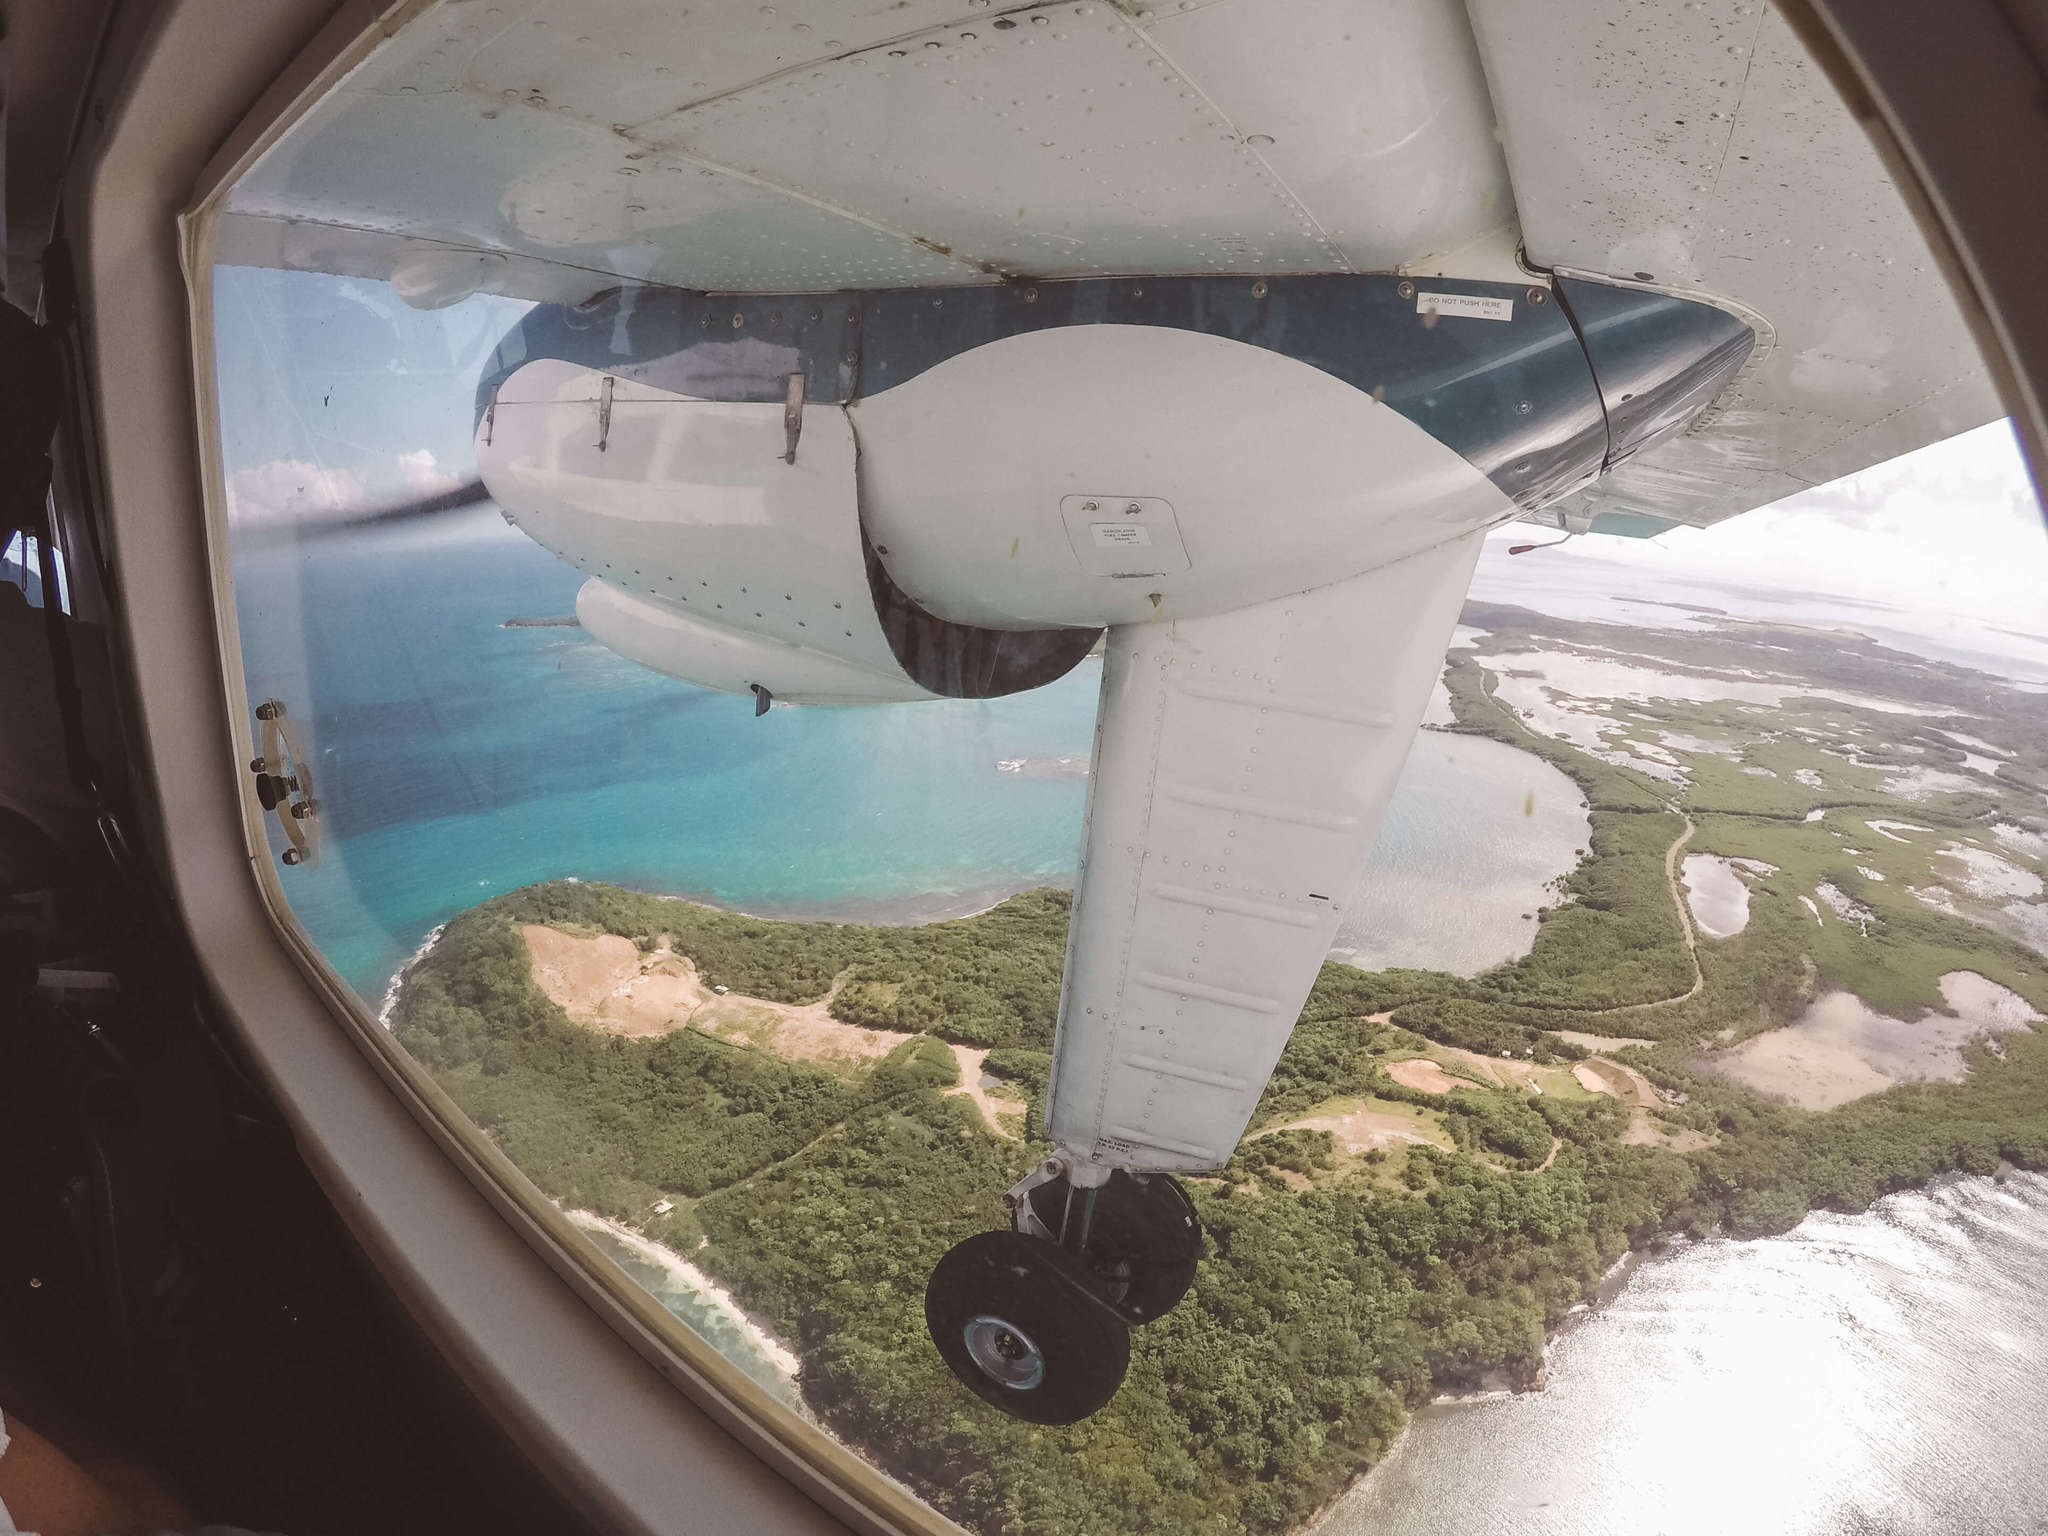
(1023,1326)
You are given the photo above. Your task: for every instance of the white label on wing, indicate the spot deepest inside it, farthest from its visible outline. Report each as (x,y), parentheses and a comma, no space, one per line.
(1129,535)
(1471,306)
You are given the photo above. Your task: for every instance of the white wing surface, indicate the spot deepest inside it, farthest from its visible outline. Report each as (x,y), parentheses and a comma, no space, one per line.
(1694,146)
(1242,764)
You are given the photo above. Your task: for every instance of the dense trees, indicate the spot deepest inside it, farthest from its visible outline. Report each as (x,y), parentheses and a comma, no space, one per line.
(1330,1298)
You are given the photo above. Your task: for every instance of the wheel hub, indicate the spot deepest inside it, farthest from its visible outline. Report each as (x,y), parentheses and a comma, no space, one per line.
(1003,1352)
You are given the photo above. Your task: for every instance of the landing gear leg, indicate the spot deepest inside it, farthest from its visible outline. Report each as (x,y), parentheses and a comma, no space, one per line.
(1036,1321)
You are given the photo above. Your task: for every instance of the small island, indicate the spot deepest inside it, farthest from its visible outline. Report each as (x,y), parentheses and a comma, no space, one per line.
(1798,965)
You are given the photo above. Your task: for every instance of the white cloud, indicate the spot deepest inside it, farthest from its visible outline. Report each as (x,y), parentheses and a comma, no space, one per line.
(291,491)
(424,475)
(294,491)
(1953,529)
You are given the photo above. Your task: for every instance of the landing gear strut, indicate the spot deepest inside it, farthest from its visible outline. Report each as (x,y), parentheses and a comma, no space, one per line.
(1036,1321)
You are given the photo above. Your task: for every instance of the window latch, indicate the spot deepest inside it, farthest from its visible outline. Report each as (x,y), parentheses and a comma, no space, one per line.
(284,785)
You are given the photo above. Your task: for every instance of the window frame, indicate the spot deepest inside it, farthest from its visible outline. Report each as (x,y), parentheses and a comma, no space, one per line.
(167,113)
(559,1352)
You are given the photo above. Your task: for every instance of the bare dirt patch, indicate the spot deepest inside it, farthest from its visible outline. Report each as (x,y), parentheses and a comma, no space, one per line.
(605,982)
(1420,1072)
(1598,1075)
(993,1109)
(1357,1125)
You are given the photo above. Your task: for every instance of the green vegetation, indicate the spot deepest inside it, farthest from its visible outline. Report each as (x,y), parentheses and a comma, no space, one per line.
(1346,1280)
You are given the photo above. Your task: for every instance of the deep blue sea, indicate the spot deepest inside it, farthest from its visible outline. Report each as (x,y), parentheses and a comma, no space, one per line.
(455,758)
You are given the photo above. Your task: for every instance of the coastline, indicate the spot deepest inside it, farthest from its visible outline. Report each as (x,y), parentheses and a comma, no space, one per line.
(1879,1242)
(877,911)
(881,912)
(1612,1282)
(396,987)
(752,1328)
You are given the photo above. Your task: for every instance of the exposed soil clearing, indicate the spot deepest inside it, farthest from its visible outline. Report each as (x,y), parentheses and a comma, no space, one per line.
(1356,1127)
(606,983)
(1597,1074)
(970,1059)
(1423,1074)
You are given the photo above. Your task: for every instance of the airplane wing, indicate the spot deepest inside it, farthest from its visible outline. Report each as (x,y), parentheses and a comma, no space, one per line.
(553,150)
(1696,149)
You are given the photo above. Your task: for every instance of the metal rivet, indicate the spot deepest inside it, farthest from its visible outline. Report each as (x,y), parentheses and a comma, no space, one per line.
(1030,295)
(1259,289)
(1406,290)
(738,321)
(852,357)
(1539,295)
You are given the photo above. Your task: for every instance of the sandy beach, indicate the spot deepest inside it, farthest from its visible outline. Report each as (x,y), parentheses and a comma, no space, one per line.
(689,1275)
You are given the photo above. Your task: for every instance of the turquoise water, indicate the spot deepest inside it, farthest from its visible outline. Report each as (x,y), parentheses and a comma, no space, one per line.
(455,758)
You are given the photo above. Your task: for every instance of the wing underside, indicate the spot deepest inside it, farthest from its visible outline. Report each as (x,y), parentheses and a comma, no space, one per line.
(556,148)
(1693,145)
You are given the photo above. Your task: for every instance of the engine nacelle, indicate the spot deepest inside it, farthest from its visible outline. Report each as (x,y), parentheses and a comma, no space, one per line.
(854,498)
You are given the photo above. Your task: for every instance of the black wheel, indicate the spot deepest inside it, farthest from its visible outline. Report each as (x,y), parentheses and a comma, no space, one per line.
(1020,1324)
(1142,1238)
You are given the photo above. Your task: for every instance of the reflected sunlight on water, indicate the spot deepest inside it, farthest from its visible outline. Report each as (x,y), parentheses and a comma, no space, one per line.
(1861,1374)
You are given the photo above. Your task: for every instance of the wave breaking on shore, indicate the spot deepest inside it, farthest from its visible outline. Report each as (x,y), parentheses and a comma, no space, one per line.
(389,1006)
(690,1276)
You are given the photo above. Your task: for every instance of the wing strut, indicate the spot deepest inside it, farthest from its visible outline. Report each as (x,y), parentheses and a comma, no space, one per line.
(1242,764)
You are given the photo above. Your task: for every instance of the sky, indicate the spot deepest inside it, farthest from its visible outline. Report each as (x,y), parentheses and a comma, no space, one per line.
(1952,529)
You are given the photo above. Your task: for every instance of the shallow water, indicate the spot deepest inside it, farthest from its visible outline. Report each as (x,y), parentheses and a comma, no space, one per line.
(1716,894)
(455,758)
(1841,1048)
(1475,831)
(1884,1373)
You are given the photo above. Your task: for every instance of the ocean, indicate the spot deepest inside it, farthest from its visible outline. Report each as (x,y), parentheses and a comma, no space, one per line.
(1859,1376)
(455,758)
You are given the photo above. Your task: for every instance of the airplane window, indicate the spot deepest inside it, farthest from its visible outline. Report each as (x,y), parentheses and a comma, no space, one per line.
(22,566)
(1117,842)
